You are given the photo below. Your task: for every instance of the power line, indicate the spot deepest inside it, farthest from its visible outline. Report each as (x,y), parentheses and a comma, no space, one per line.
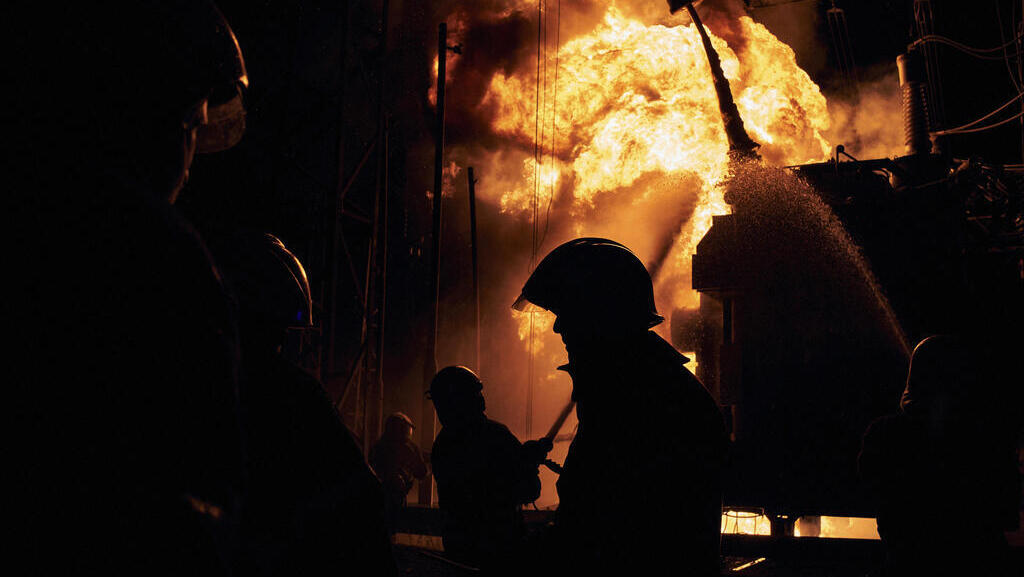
(983,128)
(967,127)
(982,53)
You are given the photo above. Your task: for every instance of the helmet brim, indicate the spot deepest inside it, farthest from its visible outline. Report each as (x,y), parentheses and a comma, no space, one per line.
(523,304)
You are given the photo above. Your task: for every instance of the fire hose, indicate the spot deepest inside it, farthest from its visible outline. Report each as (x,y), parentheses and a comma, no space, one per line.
(553,433)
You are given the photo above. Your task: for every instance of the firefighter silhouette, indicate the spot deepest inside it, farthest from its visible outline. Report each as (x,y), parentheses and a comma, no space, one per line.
(641,486)
(127,358)
(398,462)
(943,470)
(312,504)
(484,474)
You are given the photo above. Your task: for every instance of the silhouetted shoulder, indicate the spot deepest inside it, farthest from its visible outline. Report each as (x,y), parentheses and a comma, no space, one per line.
(498,430)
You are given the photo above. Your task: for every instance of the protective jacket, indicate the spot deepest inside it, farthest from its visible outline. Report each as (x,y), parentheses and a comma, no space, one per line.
(483,476)
(945,493)
(641,487)
(125,392)
(313,505)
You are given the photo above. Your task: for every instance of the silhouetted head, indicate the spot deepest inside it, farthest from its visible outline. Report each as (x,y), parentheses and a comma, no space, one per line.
(269,283)
(598,289)
(398,426)
(942,379)
(134,88)
(458,395)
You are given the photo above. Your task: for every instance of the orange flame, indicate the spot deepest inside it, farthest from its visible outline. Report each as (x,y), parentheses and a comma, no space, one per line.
(634,101)
(633,104)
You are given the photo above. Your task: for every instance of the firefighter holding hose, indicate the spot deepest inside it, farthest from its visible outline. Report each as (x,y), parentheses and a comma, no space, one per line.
(641,486)
(484,475)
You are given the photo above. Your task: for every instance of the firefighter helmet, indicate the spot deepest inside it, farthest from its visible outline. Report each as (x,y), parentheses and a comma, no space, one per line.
(454,381)
(267,279)
(593,276)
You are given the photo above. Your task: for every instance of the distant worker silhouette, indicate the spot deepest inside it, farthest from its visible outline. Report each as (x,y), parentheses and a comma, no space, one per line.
(641,487)
(312,505)
(125,401)
(398,462)
(944,469)
(484,474)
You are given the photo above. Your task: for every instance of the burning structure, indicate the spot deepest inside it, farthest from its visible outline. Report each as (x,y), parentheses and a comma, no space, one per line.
(798,290)
(806,217)
(822,277)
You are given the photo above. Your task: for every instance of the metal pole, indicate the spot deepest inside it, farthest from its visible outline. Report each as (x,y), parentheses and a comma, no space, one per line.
(374,295)
(430,361)
(476,270)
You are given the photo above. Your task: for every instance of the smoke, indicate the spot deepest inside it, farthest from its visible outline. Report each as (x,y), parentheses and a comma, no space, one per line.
(870,125)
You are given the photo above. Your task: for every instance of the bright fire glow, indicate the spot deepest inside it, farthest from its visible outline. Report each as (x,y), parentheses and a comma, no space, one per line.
(745,523)
(635,101)
(629,136)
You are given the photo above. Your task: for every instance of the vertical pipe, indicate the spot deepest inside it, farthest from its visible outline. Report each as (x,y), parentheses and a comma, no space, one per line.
(740,143)
(375,295)
(430,361)
(476,270)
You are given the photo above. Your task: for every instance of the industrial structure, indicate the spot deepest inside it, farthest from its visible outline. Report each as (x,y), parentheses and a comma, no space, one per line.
(814,284)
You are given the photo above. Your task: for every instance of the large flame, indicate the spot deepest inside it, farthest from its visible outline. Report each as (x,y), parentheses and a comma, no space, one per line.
(628,102)
(634,99)
(619,127)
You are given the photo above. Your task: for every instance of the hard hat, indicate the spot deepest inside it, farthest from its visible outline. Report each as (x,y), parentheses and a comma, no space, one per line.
(398,417)
(124,66)
(397,425)
(454,381)
(228,83)
(299,311)
(268,280)
(594,276)
(941,367)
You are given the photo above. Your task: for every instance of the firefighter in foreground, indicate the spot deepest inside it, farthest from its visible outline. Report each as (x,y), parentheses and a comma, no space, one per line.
(641,486)
(943,470)
(125,396)
(484,474)
(312,504)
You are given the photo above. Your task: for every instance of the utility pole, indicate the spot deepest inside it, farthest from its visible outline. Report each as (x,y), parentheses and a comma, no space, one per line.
(476,270)
(430,358)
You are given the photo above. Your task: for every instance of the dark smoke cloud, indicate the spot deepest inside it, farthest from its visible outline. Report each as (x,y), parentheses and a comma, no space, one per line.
(500,36)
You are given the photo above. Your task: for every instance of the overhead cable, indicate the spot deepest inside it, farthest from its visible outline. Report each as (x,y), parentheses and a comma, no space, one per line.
(981,128)
(982,119)
(977,52)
